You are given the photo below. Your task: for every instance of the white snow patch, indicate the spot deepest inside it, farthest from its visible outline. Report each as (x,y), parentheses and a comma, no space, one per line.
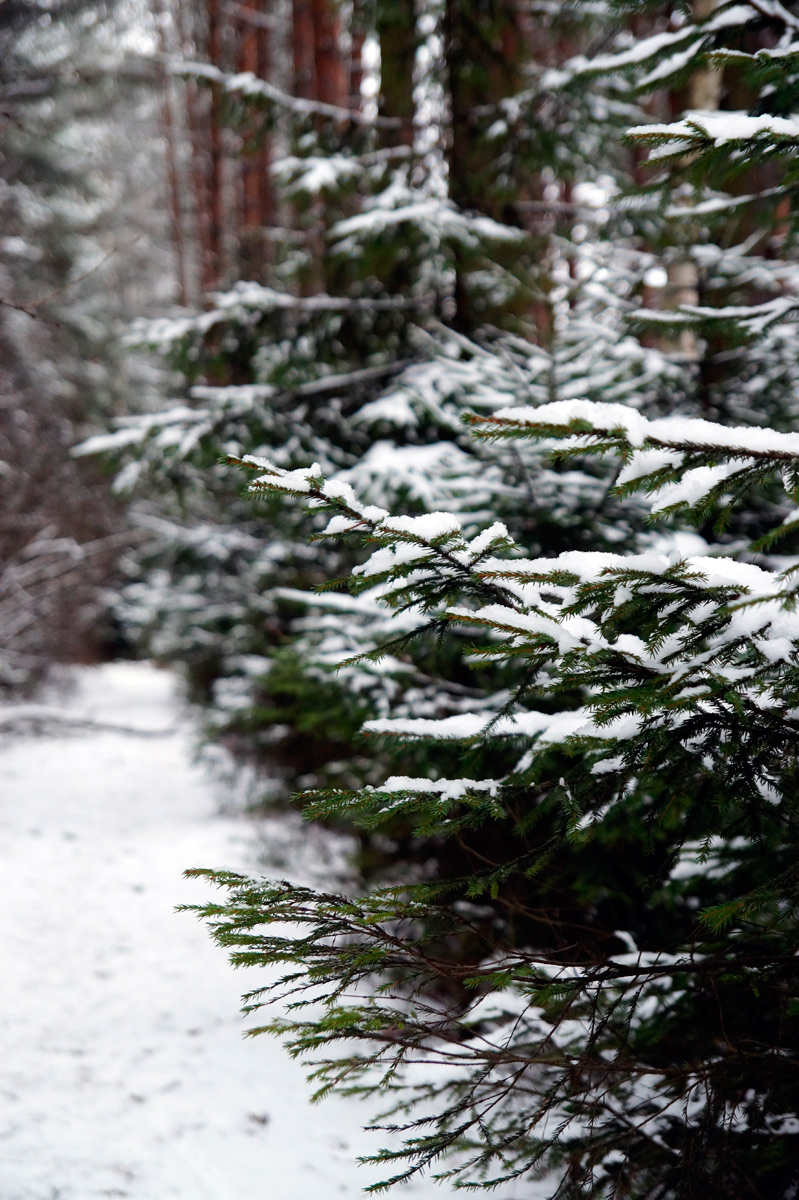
(125,1072)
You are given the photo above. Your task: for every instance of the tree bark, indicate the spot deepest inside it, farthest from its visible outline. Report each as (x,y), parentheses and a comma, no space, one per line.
(302,45)
(256,203)
(356,62)
(477,37)
(216,207)
(703,92)
(173,172)
(331,81)
(396,32)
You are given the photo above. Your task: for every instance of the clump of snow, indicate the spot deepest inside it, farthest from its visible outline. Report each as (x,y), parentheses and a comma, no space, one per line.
(673,432)
(694,485)
(447,789)
(435,217)
(722,127)
(429,526)
(547,727)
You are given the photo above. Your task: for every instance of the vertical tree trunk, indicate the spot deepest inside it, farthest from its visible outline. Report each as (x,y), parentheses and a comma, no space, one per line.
(191,46)
(703,92)
(396,32)
(302,44)
(704,86)
(216,213)
(331,81)
(357,38)
(174,188)
(256,207)
(477,38)
(247,61)
(266,199)
(478,35)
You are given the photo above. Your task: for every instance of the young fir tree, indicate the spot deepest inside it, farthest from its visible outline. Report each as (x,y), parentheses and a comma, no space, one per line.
(393,299)
(594,979)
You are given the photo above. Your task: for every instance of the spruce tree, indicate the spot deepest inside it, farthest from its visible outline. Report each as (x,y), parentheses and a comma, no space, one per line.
(396,300)
(587,973)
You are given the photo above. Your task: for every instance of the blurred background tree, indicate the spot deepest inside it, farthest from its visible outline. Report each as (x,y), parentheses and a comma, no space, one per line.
(402,213)
(79,215)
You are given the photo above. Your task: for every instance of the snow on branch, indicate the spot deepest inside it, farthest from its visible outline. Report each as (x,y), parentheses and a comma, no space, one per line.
(435,217)
(247,84)
(247,299)
(753,319)
(699,130)
(687,463)
(666,54)
(632,430)
(468,727)
(721,203)
(434,541)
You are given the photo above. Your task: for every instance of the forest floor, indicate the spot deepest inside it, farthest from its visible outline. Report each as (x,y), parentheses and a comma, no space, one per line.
(124,1069)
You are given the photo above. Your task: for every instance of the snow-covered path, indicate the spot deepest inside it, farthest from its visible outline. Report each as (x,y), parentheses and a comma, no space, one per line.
(123,1071)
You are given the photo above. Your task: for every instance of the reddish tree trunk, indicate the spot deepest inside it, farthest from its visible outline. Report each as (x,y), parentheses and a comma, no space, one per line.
(302,44)
(197,124)
(266,199)
(356,69)
(331,82)
(216,215)
(256,193)
(247,60)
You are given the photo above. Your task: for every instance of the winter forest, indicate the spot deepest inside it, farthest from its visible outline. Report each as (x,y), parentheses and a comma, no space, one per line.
(399,568)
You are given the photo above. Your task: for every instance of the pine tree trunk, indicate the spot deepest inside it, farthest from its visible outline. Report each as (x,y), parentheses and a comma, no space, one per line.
(302,45)
(477,37)
(702,93)
(216,207)
(357,38)
(331,81)
(704,86)
(174,189)
(253,55)
(197,125)
(396,32)
(266,198)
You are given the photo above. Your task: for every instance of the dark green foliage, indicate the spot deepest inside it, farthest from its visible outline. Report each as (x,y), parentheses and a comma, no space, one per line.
(580,962)
(604,988)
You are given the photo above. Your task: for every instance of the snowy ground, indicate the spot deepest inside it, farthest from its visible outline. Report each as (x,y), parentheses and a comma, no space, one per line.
(123,1071)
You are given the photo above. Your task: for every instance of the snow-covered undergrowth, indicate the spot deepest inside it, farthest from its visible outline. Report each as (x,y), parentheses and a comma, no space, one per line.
(125,1072)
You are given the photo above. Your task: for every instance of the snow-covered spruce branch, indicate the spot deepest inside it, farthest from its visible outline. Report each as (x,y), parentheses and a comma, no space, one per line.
(181,429)
(699,132)
(731,648)
(688,465)
(539,1046)
(421,558)
(648,62)
(245,83)
(656,643)
(773,9)
(247,300)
